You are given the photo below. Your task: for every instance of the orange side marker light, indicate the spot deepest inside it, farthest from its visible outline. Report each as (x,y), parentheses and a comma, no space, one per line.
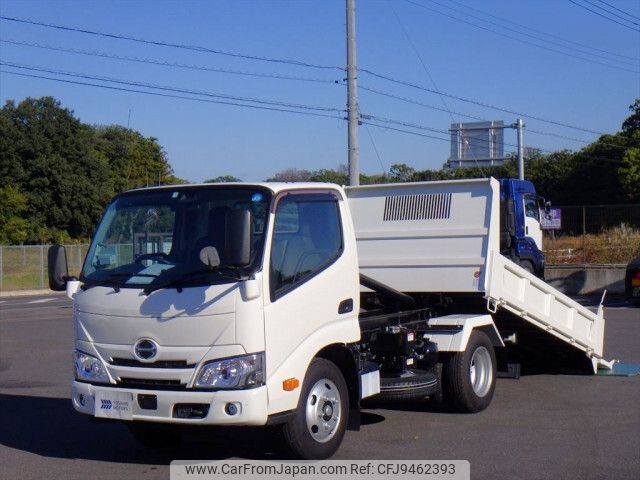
(290,384)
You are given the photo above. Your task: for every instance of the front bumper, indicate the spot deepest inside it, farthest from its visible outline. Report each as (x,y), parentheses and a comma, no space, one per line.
(251,404)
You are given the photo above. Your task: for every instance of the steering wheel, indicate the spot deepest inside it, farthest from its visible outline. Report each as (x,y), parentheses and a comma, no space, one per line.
(161,257)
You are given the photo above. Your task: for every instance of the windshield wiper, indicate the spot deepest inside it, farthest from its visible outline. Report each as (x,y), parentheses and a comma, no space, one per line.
(178,282)
(112,280)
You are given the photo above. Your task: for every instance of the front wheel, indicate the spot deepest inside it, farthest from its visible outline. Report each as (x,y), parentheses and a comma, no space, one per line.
(469,377)
(319,424)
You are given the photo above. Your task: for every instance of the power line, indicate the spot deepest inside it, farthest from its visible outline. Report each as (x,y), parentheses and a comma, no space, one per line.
(482,119)
(603,16)
(418,134)
(521,40)
(424,66)
(166,63)
(171,88)
(162,43)
(375,149)
(611,13)
(526,27)
(182,97)
(293,62)
(621,11)
(386,127)
(481,104)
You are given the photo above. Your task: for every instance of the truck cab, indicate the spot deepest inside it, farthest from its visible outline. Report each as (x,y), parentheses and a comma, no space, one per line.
(521,231)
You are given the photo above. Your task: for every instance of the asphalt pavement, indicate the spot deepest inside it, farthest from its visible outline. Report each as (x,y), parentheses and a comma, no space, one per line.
(538,427)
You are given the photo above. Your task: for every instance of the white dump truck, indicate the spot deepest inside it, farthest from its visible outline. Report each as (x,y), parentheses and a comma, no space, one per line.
(288,303)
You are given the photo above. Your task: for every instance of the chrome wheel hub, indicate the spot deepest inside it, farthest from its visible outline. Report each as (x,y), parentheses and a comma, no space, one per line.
(481,371)
(323,410)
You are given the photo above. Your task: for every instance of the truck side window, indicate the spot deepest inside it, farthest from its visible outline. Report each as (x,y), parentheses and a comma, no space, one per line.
(307,238)
(531,208)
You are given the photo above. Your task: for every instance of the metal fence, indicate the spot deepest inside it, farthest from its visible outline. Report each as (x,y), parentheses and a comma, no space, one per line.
(594,234)
(24,267)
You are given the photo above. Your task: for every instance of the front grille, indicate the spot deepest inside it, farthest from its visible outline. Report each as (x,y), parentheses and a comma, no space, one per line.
(151,384)
(131,362)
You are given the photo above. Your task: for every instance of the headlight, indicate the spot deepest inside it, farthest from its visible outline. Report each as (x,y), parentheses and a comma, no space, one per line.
(89,368)
(238,372)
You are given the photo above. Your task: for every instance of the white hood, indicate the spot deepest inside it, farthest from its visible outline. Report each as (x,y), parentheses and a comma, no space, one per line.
(197,316)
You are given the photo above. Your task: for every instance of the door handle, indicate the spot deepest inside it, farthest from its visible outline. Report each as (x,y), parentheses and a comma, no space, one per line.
(345,306)
(526,230)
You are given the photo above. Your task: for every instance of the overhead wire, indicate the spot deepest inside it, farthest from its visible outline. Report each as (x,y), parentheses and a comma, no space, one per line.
(521,40)
(163,43)
(475,102)
(519,31)
(165,63)
(422,63)
(375,149)
(364,121)
(619,10)
(168,95)
(541,32)
(286,77)
(611,13)
(171,88)
(603,16)
(299,63)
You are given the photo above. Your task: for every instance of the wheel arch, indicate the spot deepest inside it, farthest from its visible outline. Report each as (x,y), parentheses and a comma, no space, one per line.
(342,356)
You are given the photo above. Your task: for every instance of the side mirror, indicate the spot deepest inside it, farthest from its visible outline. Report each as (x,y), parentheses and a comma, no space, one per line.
(239,232)
(58,267)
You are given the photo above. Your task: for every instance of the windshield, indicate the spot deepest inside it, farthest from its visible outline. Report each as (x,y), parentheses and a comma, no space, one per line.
(151,238)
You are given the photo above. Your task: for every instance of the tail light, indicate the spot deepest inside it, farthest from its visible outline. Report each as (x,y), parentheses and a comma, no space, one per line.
(635,279)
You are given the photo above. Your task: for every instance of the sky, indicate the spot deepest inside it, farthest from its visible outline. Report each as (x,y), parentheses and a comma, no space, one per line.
(463,48)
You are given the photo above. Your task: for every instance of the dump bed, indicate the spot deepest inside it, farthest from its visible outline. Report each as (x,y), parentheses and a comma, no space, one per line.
(443,237)
(428,236)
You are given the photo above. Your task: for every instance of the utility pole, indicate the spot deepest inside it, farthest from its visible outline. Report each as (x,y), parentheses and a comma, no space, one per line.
(352,95)
(520,126)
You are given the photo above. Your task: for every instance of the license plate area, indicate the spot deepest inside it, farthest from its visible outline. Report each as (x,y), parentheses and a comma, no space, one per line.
(147,402)
(113,404)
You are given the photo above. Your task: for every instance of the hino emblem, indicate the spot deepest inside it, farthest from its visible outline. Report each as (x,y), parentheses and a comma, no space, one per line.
(146,349)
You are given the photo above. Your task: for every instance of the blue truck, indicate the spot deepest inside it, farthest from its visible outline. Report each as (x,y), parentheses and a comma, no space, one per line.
(521,209)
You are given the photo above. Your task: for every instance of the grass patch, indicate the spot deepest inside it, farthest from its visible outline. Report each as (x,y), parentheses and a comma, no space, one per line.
(615,245)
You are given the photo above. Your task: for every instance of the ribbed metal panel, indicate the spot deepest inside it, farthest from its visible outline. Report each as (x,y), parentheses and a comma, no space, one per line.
(432,206)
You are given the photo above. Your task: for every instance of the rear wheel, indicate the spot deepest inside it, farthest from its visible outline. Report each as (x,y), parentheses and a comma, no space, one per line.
(469,377)
(319,424)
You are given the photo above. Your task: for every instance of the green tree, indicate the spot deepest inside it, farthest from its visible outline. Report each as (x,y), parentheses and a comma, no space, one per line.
(291,175)
(14,228)
(401,172)
(67,170)
(223,179)
(629,173)
(134,160)
(632,122)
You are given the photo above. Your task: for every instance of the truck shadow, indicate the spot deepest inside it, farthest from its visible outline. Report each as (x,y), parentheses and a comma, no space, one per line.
(50,427)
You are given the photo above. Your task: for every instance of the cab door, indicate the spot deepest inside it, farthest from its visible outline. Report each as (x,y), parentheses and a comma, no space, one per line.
(313,287)
(532,227)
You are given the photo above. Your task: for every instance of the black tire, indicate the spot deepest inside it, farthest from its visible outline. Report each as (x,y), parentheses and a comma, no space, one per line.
(298,437)
(412,385)
(456,375)
(154,436)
